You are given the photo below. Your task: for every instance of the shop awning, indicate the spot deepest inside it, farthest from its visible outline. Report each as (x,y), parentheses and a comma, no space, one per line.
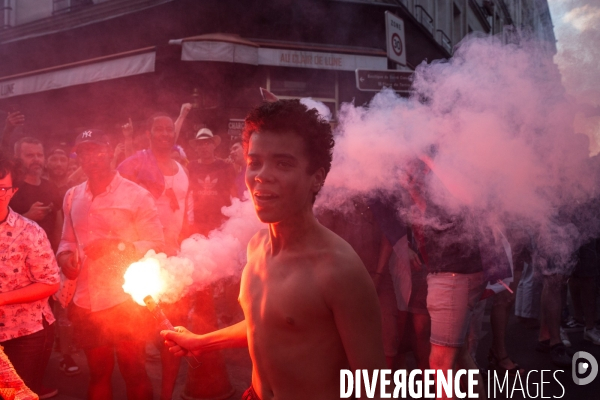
(233,49)
(94,70)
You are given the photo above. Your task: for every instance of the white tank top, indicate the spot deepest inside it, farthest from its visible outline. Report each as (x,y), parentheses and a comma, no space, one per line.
(172,220)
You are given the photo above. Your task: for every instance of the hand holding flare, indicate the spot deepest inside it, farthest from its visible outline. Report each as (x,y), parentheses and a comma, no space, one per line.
(143,282)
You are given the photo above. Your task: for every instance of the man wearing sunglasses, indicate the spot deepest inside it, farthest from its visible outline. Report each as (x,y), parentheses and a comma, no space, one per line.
(28,277)
(110,222)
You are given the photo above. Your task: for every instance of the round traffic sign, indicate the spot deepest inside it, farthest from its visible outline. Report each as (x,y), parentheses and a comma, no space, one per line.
(397,44)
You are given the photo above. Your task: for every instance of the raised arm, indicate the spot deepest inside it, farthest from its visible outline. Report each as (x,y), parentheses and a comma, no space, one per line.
(185,110)
(13,119)
(183,341)
(127,130)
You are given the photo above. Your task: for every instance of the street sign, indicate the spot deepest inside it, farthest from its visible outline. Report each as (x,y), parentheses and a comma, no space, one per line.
(235,127)
(369,80)
(395,42)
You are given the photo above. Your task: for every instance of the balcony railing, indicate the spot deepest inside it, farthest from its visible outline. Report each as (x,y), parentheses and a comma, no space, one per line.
(62,6)
(424,18)
(444,40)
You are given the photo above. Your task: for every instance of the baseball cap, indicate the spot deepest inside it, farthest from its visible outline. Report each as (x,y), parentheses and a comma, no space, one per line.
(206,134)
(91,136)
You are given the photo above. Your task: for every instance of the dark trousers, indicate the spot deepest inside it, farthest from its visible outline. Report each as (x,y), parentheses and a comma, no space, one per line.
(30,354)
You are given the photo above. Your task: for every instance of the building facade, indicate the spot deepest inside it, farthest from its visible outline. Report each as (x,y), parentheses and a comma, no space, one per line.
(71,64)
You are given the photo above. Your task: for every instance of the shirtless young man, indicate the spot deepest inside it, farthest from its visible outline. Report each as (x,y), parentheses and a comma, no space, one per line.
(310,306)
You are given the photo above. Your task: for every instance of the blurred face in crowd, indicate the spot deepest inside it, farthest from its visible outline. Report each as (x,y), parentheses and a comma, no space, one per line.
(162,134)
(72,167)
(6,191)
(57,164)
(237,154)
(32,156)
(205,148)
(141,142)
(95,159)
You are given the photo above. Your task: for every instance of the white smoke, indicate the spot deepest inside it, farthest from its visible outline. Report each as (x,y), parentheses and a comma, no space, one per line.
(577,29)
(204,260)
(321,108)
(498,124)
(500,134)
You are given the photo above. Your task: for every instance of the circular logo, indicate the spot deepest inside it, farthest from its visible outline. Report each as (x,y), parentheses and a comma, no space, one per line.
(397,44)
(580,369)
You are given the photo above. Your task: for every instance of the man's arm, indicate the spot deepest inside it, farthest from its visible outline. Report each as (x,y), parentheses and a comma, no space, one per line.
(37,211)
(66,255)
(184,341)
(351,296)
(185,109)
(13,119)
(127,130)
(41,268)
(29,293)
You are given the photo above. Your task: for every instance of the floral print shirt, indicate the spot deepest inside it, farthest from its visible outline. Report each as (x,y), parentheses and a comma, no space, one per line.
(25,258)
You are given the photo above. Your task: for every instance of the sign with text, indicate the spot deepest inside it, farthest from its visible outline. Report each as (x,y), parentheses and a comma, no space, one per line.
(374,81)
(395,42)
(235,127)
(318,60)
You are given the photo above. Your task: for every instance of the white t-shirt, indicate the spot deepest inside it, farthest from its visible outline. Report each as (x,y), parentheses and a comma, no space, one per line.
(172,219)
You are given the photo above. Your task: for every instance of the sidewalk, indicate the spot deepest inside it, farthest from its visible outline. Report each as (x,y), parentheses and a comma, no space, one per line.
(521,342)
(75,387)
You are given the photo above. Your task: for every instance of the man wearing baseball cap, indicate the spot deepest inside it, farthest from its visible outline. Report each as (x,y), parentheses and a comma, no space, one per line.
(110,222)
(212,181)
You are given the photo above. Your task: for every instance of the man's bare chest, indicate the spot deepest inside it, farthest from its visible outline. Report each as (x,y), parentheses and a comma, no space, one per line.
(276,298)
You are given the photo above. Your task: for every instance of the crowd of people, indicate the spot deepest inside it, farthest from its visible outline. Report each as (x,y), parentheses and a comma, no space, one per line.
(359,286)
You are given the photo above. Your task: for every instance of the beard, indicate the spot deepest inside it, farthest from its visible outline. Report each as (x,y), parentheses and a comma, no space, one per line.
(34,169)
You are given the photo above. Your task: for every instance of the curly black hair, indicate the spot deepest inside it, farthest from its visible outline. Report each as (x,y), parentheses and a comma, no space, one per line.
(284,116)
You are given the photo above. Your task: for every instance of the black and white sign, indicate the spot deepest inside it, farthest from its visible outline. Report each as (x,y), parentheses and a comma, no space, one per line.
(394,33)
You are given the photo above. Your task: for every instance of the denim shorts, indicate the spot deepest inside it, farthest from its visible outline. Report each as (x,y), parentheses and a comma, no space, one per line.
(451,299)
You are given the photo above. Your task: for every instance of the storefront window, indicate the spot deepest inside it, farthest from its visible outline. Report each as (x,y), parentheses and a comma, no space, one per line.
(296,83)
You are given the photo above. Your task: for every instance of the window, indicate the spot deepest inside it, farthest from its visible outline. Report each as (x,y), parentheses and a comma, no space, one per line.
(457,33)
(60,6)
(6,9)
(296,83)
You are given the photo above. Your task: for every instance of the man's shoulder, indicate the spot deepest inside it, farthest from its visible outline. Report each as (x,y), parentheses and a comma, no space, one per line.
(328,255)
(340,271)
(18,221)
(134,162)
(131,188)
(77,189)
(258,239)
